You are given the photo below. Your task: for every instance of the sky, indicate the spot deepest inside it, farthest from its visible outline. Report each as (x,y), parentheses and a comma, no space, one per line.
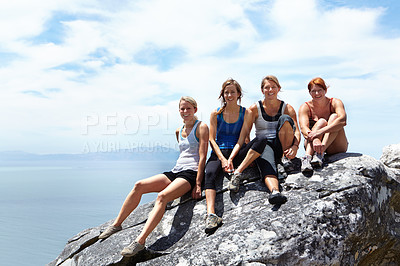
(90,76)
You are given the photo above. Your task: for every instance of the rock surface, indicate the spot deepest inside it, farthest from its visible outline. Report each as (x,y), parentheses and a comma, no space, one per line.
(347,213)
(391,156)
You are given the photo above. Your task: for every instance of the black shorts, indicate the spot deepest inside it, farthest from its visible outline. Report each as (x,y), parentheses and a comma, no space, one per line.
(188,175)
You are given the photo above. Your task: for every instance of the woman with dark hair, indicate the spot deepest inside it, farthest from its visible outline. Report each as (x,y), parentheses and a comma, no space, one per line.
(226,125)
(322,121)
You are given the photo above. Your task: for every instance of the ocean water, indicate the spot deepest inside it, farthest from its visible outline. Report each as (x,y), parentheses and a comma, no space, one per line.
(44,203)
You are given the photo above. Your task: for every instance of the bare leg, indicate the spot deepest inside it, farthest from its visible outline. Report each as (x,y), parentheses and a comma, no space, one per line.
(335,142)
(317,142)
(286,136)
(309,148)
(210,199)
(174,190)
(271,182)
(250,157)
(152,184)
(339,144)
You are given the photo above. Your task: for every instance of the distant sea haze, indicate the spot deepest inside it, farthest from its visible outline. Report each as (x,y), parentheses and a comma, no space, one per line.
(140,153)
(47,199)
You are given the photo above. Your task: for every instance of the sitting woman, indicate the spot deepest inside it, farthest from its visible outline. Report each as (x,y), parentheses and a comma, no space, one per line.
(185,176)
(225,128)
(322,122)
(276,121)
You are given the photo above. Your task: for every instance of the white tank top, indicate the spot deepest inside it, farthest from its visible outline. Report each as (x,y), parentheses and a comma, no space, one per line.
(266,125)
(189,151)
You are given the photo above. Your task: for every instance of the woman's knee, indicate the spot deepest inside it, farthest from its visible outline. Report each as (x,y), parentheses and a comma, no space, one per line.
(258,144)
(210,174)
(138,187)
(285,118)
(332,118)
(286,123)
(320,123)
(162,198)
(209,181)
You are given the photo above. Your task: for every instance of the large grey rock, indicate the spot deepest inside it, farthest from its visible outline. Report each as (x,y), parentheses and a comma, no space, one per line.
(391,156)
(347,213)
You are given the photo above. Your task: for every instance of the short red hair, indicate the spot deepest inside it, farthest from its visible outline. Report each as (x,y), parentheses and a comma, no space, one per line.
(317,81)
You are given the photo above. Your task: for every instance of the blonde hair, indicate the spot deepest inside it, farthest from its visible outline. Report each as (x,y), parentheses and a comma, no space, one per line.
(271,78)
(189,100)
(229,81)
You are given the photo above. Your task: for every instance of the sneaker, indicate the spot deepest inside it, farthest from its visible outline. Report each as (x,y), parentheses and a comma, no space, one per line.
(287,164)
(306,167)
(276,198)
(109,231)
(281,172)
(316,161)
(235,182)
(132,249)
(212,222)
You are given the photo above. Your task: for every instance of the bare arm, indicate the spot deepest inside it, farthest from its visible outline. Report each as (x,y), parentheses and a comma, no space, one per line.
(212,138)
(340,121)
(177,134)
(203,136)
(304,121)
(249,118)
(337,124)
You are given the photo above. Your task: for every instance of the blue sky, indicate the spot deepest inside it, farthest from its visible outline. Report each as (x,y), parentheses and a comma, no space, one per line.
(86,76)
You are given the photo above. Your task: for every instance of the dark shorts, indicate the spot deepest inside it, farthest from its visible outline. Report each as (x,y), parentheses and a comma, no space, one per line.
(188,175)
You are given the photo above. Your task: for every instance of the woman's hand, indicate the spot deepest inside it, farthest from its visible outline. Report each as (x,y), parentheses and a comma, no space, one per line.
(291,152)
(229,166)
(306,135)
(196,192)
(224,163)
(313,135)
(318,146)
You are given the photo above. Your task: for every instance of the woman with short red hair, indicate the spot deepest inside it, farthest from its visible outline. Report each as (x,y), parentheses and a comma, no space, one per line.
(322,121)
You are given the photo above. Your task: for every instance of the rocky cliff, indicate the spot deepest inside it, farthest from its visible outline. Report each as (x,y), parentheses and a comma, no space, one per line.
(347,213)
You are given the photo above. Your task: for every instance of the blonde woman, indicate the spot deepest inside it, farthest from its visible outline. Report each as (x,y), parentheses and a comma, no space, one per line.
(185,176)
(275,120)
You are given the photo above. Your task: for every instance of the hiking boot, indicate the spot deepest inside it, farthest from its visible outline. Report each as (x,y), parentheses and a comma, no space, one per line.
(306,167)
(281,172)
(109,231)
(235,182)
(287,164)
(212,222)
(276,198)
(132,249)
(317,160)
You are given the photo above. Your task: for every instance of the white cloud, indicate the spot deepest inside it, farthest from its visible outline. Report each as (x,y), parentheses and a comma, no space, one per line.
(95,69)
